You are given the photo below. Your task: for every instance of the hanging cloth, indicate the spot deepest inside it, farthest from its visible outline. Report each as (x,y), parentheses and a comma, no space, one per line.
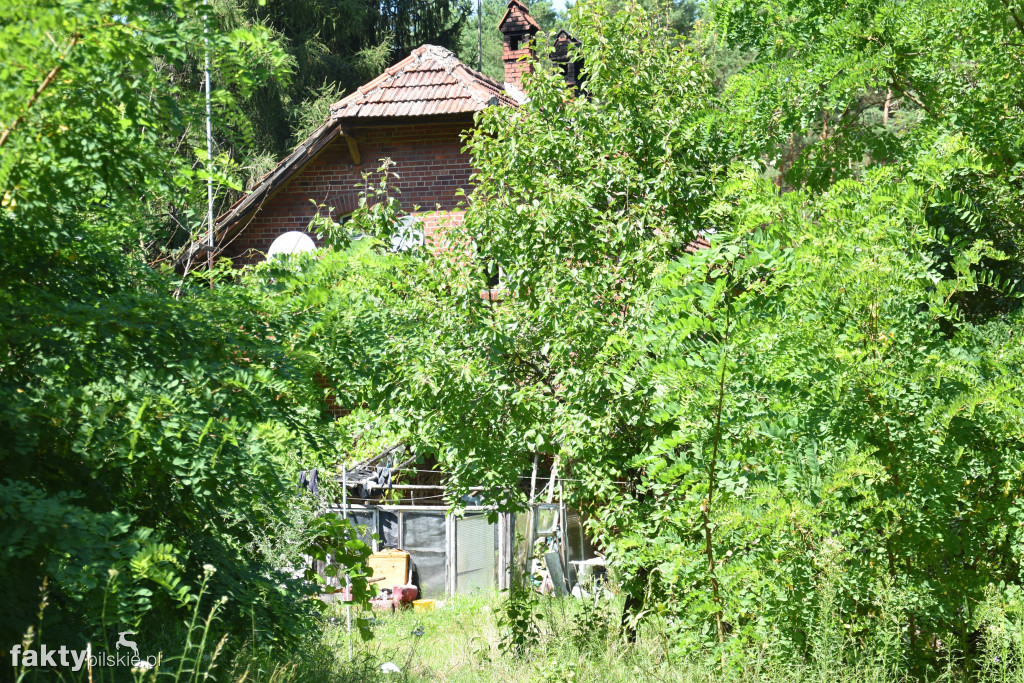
(309,480)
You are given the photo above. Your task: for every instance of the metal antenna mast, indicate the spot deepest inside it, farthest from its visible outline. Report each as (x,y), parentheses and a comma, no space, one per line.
(479,37)
(209,142)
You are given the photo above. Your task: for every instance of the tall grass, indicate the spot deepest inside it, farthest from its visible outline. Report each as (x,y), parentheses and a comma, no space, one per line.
(460,642)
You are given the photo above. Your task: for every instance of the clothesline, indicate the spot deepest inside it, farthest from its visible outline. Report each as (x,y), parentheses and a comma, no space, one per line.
(522,477)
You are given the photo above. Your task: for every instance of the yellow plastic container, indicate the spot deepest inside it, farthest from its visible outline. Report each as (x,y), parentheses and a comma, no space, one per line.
(422,605)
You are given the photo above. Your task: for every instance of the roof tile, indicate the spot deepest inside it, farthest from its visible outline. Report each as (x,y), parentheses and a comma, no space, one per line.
(431,80)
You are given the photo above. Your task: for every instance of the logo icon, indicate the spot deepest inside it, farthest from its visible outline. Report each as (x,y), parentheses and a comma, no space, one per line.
(128,643)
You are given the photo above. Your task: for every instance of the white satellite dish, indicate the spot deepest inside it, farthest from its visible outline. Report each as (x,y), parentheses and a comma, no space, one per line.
(408,234)
(294,242)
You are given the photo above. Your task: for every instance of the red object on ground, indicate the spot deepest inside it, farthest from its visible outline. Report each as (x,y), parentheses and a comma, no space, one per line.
(404,595)
(400,597)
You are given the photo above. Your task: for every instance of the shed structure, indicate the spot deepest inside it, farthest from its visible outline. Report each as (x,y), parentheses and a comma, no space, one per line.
(462,555)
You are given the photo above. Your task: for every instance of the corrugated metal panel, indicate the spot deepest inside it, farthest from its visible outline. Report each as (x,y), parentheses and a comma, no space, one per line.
(475,554)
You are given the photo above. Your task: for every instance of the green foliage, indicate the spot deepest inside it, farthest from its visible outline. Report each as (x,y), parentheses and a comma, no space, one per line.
(817,418)
(811,427)
(460,642)
(336,47)
(579,245)
(520,620)
(678,16)
(131,417)
(859,422)
(837,87)
(84,81)
(151,426)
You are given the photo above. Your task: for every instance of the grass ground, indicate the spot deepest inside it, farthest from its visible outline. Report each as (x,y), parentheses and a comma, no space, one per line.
(459,643)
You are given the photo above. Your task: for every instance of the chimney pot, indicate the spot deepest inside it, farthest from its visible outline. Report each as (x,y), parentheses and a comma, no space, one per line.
(562,55)
(518,28)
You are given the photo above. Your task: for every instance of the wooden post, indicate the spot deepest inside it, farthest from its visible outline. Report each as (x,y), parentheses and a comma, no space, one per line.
(533,477)
(563,525)
(551,483)
(449,555)
(506,549)
(353,148)
(348,580)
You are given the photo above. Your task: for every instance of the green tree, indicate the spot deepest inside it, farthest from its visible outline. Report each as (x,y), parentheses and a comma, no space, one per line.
(266,101)
(837,87)
(817,415)
(581,203)
(833,414)
(679,16)
(144,435)
(337,46)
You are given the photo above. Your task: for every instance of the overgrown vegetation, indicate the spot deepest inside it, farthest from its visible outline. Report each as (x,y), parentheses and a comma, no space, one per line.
(461,641)
(152,428)
(825,399)
(767,276)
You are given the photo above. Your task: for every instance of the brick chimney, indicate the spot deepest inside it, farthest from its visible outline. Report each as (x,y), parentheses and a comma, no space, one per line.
(519,28)
(561,54)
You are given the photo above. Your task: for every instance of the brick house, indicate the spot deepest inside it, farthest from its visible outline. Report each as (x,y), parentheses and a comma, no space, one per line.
(415,113)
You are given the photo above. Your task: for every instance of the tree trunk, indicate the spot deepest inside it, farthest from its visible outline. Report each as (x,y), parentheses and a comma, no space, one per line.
(634,603)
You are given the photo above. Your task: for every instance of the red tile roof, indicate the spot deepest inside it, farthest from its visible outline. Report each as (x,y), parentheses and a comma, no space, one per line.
(428,82)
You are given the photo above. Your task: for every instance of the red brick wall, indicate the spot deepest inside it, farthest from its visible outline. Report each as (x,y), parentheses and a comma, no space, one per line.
(515,69)
(428,160)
